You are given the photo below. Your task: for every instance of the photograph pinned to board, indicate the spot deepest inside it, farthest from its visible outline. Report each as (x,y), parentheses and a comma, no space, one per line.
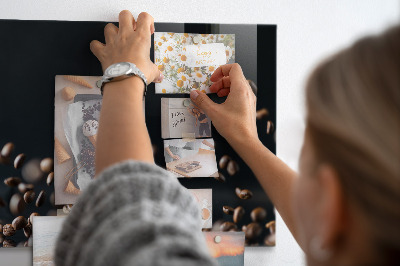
(45,233)
(77,104)
(204,199)
(226,247)
(181,118)
(191,157)
(188,60)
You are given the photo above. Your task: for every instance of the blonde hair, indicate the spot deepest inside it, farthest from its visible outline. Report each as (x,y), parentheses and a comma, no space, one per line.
(353,120)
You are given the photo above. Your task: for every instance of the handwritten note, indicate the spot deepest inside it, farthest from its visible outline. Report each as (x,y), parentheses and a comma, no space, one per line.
(211,54)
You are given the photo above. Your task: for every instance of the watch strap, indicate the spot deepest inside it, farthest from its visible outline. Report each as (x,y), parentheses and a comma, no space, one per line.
(134,71)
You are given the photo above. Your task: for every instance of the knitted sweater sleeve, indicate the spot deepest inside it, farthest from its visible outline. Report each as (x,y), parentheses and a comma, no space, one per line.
(134,213)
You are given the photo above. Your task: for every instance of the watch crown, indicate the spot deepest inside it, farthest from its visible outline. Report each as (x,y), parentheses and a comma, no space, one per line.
(98,83)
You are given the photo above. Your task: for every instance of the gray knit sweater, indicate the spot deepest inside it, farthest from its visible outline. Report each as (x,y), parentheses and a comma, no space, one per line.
(134,213)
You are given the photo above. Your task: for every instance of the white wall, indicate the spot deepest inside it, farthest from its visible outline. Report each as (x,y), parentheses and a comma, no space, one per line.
(307,32)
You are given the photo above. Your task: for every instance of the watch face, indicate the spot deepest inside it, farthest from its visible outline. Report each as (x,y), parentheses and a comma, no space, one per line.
(118,69)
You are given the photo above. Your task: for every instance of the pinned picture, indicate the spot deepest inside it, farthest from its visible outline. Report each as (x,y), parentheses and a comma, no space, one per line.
(226,247)
(188,60)
(204,199)
(181,118)
(191,157)
(45,232)
(77,104)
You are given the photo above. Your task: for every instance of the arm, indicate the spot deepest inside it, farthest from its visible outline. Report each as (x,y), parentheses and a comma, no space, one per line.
(207,143)
(122,131)
(239,109)
(175,157)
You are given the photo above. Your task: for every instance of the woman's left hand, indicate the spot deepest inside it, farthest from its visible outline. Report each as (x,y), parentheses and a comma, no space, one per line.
(130,42)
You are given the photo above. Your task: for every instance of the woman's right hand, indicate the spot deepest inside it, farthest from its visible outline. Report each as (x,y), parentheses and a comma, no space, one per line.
(235,119)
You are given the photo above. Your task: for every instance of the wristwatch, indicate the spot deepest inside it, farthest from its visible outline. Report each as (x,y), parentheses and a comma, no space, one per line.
(121,71)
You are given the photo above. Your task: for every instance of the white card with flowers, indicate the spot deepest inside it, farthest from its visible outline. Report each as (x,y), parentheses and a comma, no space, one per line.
(188,60)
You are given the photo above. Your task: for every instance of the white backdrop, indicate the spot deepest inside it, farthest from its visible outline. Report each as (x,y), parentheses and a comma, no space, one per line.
(307,32)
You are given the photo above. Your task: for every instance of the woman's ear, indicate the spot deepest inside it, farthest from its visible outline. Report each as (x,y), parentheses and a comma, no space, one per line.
(332,208)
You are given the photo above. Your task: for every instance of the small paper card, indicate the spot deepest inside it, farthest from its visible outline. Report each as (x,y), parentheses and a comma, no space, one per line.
(226,247)
(188,60)
(180,118)
(204,199)
(191,157)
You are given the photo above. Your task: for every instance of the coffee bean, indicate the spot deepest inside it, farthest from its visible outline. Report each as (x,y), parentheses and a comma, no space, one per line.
(258,214)
(22,187)
(270,127)
(220,177)
(226,226)
(9,243)
(271,226)
(232,167)
(1,237)
(19,223)
(227,210)
(19,161)
(17,204)
(253,231)
(12,181)
(206,229)
(40,199)
(4,160)
(260,114)
(8,230)
(50,178)
(29,196)
(31,171)
(2,202)
(28,230)
(46,165)
(237,191)
(7,150)
(270,240)
(223,162)
(1,229)
(238,214)
(52,198)
(245,194)
(33,214)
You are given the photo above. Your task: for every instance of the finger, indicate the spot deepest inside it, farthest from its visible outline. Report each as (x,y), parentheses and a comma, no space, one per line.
(232,70)
(145,23)
(157,76)
(126,22)
(201,100)
(110,31)
(225,82)
(223,92)
(96,47)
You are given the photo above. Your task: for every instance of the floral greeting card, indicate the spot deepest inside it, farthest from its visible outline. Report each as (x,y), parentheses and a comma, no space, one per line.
(188,60)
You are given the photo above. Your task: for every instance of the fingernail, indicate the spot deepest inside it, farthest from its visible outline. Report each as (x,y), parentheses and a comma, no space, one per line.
(160,78)
(194,94)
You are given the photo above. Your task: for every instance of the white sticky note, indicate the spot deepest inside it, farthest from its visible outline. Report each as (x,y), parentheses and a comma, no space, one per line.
(210,54)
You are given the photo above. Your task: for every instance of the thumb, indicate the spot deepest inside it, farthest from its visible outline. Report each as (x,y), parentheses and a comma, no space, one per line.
(202,101)
(157,76)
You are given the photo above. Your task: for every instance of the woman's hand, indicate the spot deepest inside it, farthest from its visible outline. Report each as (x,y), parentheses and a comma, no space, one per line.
(235,119)
(130,42)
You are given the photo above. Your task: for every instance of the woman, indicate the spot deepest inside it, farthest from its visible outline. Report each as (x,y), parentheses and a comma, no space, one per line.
(201,117)
(343,208)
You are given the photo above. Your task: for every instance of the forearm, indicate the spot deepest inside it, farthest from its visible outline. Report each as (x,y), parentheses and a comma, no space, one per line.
(274,175)
(122,133)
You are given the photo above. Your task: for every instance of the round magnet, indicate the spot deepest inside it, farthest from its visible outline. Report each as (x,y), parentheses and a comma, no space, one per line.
(196,39)
(187,102)
(217,239)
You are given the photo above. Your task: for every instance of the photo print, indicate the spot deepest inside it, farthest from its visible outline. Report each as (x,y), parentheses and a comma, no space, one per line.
(226,247)
(45,232)
(188,60)
(191,157)
(77,104)
(180,118)
(204,199)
